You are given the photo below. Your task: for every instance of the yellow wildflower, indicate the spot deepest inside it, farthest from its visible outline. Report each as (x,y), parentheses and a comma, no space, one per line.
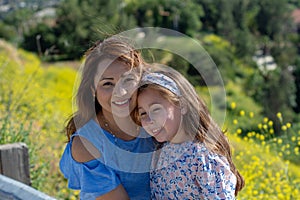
(284,128)
(233,105)
(259,125)
(265,126)
(239,131)
(270,123)
(279,115)
(242,113)
(251,115)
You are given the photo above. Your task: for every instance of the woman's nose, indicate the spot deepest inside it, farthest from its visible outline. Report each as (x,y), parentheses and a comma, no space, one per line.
(120,91)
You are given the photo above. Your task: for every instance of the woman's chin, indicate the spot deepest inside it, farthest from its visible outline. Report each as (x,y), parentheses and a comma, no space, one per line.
(120,112)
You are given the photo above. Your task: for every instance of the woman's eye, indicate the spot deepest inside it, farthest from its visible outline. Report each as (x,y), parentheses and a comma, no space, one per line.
(130,81)
(107,84)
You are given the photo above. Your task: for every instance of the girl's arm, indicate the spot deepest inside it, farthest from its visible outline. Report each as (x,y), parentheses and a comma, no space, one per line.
(215,177)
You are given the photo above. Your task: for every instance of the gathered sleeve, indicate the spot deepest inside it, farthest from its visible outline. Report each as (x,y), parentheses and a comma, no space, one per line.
(215,177)
(93,178)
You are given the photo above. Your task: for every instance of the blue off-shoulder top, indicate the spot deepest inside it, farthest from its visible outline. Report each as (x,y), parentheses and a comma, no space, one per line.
(121,162)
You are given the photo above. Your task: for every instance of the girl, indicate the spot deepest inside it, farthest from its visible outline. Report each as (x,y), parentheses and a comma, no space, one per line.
(194,161)
(107,156)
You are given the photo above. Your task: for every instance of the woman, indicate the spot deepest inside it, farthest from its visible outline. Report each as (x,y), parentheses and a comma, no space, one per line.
(107,155)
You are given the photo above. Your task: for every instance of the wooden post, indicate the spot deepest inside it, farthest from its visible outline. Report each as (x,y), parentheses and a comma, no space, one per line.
(14,162)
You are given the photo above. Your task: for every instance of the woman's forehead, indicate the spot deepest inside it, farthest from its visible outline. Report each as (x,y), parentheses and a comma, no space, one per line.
(111,69)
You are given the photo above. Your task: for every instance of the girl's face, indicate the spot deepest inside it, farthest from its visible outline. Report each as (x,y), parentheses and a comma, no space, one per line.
(111,95)
(159,117)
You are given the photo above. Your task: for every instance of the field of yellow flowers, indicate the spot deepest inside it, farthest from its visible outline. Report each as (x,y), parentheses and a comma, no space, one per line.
(35,101)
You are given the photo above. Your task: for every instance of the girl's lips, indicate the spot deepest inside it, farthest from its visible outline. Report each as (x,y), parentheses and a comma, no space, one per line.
(155,132)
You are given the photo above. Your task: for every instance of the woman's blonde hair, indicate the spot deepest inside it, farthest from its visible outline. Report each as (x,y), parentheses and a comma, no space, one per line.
(197,119)
(112,48)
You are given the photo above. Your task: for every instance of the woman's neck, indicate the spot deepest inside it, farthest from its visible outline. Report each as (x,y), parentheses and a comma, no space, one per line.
(121,127)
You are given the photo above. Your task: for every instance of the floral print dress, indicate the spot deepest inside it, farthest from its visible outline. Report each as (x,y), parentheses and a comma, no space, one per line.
(190,171)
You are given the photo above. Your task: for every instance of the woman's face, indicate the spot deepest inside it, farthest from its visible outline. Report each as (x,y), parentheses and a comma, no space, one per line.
(112,95)
(158,116)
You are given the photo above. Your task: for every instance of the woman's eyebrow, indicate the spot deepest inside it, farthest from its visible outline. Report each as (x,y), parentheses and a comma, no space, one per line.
(106,78)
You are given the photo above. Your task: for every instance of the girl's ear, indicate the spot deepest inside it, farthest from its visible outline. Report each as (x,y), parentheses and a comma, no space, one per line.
(183,108)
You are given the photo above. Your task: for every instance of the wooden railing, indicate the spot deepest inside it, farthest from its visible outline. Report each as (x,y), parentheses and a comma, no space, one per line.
(15,179)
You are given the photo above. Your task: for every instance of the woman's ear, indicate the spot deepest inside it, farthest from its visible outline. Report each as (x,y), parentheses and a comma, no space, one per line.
(93,91)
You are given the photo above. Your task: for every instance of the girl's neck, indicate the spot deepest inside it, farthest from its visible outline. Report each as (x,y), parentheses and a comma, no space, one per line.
(181,136)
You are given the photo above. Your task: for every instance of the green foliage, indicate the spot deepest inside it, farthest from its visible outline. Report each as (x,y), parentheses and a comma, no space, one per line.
(34,103)
(40,40)
(183,16)
(272,17)
(297,83)
(264,89)
(7,32)
(20,20)
(81,22)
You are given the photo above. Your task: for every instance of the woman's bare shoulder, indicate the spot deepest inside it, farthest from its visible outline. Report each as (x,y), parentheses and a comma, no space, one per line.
(83,150)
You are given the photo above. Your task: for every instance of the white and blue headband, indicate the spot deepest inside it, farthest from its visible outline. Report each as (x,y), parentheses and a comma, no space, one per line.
(162,80)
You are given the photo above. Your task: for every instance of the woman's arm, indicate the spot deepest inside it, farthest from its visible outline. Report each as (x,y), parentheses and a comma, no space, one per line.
(84,151)
(117,194)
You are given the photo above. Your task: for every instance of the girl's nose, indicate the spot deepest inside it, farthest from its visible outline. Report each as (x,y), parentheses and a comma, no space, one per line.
(148,120)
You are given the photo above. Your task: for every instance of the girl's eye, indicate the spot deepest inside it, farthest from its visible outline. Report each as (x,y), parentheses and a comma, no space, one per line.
(156,110)
(142,116)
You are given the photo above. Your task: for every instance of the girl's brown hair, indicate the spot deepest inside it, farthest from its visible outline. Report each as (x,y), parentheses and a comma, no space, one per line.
(112,48)
(197,120)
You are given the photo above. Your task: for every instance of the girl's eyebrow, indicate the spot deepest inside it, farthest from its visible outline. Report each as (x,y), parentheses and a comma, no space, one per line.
(149,105)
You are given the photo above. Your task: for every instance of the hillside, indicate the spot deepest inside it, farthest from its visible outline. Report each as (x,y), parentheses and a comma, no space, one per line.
(36,100)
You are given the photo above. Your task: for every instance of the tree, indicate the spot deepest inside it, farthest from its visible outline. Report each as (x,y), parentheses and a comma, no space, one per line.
(183,16)
(272,17)
(79,23)
(20,20)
